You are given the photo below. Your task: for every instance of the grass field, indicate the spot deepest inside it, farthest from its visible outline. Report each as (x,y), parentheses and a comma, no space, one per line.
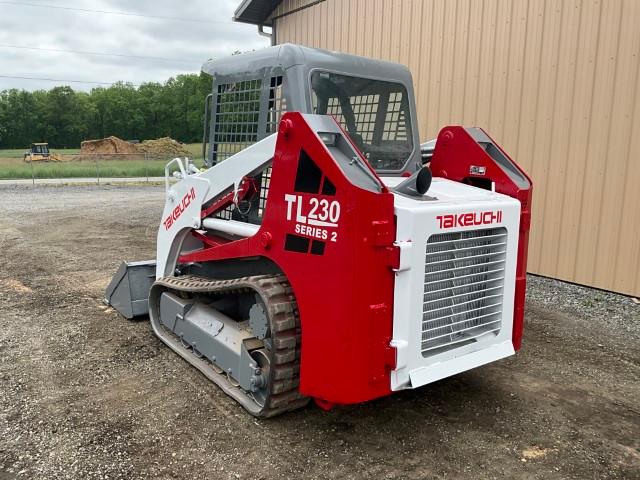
(12,165)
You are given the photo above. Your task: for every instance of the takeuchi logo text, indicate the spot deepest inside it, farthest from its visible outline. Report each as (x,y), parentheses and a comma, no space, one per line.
(468,219)
(179,209)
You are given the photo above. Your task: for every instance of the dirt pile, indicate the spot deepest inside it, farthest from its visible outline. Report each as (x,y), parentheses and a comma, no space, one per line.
(161,147)
(107,145)
(165,146)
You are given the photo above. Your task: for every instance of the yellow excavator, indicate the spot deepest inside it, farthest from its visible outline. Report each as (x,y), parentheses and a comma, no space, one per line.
(39,152)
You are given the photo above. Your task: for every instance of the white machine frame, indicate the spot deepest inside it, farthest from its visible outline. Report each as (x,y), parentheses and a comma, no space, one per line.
(227,174)
(416,222)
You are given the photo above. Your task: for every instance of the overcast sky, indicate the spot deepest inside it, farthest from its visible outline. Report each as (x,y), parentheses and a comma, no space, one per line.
(185,44)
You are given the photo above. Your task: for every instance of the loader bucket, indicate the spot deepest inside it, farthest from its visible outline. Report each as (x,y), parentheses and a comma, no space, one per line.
(128,291)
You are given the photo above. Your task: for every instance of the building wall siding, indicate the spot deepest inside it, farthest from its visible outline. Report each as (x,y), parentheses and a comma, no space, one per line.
(554,82)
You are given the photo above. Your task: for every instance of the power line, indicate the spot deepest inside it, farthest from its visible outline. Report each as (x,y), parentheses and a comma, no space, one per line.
(101,54)
(110,12)
(65,80)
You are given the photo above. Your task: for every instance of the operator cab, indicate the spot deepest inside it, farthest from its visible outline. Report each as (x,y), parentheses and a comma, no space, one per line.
(372,100)
(39,149)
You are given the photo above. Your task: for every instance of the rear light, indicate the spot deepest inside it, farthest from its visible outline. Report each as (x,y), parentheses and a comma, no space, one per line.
(328,138)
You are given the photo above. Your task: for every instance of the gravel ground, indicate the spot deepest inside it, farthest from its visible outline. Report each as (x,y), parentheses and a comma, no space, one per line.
(618,313)
(87,394)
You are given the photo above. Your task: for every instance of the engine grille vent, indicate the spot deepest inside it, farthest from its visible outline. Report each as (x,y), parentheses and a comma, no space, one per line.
(463,288)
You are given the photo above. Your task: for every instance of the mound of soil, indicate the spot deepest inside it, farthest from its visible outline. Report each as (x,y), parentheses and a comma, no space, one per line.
(165,146)
(161,147)
(107,145)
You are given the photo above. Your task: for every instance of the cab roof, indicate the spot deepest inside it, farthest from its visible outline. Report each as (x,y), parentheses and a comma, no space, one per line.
(288,55)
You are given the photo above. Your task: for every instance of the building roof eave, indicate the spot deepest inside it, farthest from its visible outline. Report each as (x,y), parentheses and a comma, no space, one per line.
(255,12)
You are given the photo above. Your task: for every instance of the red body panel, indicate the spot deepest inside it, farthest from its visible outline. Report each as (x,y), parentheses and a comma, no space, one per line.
(456,151)
(343,282)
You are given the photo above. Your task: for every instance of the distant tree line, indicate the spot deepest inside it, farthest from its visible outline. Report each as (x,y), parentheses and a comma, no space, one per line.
(64,117)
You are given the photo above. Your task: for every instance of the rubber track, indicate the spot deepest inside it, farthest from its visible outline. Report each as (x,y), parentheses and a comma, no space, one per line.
(277,296)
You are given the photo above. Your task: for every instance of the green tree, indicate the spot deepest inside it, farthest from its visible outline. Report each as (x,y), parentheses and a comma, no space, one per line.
(64,117)
(67,114)
(20,118)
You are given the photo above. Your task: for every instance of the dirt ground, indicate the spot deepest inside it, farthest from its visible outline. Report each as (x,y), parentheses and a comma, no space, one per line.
(87,394)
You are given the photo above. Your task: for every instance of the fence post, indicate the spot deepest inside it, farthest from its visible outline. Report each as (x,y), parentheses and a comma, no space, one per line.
(146,165)
(33,178)
(97,169)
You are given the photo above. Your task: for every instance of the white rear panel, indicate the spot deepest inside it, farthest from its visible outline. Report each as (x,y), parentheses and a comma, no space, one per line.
(454,290)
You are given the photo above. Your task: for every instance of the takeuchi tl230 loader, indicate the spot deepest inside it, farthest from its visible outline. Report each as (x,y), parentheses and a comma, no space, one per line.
(318,257)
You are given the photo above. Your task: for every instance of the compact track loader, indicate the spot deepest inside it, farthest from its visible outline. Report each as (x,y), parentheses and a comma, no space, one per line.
(39,152)
(317,257)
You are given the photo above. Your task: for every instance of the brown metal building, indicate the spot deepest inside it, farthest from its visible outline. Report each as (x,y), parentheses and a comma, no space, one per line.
(555,82)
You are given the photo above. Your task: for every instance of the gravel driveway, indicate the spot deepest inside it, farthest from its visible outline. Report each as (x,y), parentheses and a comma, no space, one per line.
(87,394)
